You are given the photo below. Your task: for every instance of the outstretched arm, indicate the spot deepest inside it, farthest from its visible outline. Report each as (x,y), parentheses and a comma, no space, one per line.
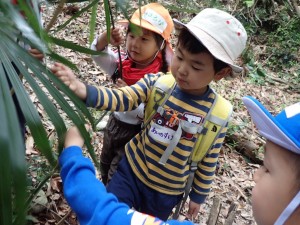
(66,75)
(87,196)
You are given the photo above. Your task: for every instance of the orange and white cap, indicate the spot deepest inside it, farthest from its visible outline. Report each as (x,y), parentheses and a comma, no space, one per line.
(156,18)
(153,17)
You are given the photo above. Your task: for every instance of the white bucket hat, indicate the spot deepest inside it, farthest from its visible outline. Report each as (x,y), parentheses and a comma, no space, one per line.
(221,33)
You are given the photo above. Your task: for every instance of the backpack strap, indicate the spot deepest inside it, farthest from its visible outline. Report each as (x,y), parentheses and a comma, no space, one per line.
(162,89)
(214,122)
(216,119)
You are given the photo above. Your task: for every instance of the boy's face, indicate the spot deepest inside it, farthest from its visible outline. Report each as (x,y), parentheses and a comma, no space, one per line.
(275,184)
(193,72)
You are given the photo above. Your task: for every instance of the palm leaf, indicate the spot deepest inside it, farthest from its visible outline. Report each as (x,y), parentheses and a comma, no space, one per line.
(93,23)
(31,115)
(85,9)
(33,64)
(12,160)
(107,19)
(73,46)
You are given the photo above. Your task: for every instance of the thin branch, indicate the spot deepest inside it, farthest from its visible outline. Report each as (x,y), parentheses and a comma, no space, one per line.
(296,7)
(57,11)
(118,47)
(64,218)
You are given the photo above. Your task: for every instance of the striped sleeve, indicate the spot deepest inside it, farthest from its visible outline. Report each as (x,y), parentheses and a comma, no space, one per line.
(121,99)
(206,171)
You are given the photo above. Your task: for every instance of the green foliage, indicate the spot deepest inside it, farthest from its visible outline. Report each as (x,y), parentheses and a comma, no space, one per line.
(257,74)
(283,44)
(249,3)
(14,59)
(259,153)
(272,24)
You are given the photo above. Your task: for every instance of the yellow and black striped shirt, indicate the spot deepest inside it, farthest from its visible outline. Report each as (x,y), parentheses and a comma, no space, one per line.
(145,150)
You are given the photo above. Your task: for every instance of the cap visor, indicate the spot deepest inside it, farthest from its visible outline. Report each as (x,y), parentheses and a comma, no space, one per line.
(141,23)
(268,126)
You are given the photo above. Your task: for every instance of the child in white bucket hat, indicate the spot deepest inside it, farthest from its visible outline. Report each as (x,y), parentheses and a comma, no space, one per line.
(276,195)
(157,165)
(222,34)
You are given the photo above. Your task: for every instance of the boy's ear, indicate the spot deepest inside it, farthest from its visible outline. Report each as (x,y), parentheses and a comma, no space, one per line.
(223,73)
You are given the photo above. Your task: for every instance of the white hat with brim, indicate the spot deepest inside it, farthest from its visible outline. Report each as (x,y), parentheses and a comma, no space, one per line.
(283,129)
(222,34)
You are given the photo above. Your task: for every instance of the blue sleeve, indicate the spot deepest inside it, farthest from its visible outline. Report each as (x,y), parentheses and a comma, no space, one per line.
(88,198)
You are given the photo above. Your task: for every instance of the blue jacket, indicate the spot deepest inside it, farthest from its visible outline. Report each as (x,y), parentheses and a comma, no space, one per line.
(88,198)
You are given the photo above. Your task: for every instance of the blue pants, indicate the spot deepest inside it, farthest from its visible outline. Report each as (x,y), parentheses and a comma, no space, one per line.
(130,190)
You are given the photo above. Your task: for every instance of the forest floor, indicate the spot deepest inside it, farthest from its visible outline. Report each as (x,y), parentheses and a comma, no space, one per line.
(234,178)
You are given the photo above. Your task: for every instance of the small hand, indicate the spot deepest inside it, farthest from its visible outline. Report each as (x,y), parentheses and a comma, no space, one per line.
(117,37)
(36,54)
(193,210)
(120,83)
(74,138)
(66,75)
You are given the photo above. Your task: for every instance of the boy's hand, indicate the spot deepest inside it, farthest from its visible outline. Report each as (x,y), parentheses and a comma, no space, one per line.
(74,138)
(66,75)
(36,54)
(193,210)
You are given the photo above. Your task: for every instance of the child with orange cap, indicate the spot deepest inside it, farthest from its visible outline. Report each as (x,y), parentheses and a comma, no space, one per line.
(147,51)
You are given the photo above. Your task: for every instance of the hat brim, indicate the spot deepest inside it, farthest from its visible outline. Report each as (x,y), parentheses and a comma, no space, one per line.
(210,43)
(141,23)
(269,127)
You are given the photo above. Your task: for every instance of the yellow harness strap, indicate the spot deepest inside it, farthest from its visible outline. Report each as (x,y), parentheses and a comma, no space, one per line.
(160,93)
(215,121)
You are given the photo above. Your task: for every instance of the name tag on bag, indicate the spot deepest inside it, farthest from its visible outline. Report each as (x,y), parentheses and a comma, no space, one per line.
(161,134)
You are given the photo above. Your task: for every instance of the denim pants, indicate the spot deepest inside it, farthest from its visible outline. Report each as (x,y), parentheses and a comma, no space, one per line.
(130,190)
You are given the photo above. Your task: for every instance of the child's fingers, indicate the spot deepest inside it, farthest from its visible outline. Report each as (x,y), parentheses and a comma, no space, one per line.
(117,37)
(88,127)
(55,67)
(38,56)
(121,83)
(74,138)
(59,69)
(59,66)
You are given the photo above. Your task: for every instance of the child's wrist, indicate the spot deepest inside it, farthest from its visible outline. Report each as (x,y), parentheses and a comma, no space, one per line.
(102,42)
(81,91)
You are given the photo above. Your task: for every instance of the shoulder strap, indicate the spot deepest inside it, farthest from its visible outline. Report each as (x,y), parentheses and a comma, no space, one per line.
(216,119)
(214,122)
(160,93)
